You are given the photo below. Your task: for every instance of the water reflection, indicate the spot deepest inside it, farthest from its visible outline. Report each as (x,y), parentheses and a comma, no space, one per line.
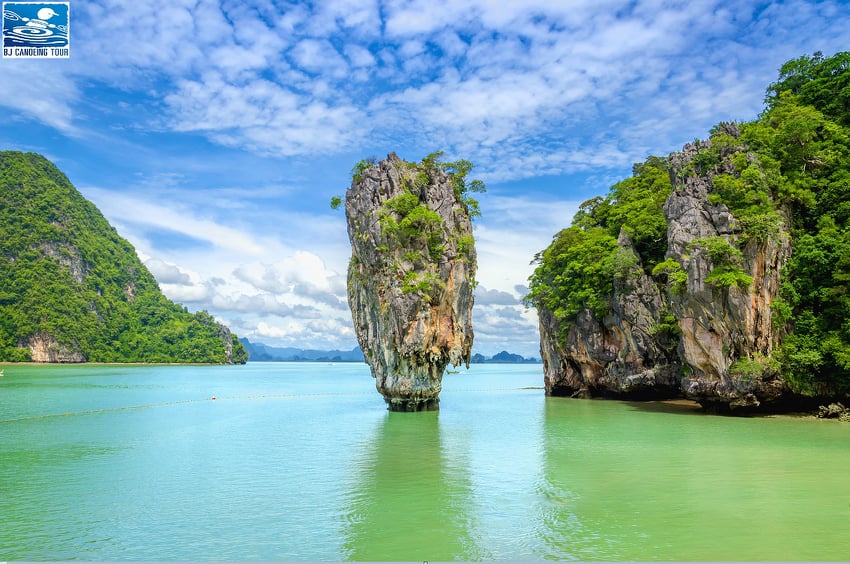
(568,530)
(653,485)
(410,499)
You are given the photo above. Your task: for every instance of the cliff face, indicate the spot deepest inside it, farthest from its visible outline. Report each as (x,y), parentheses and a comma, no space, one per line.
(622,354)
(73,290)
(720,326)
(410,279)
(698,338)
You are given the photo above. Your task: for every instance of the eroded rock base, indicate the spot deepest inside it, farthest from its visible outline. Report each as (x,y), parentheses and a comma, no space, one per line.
(410,405)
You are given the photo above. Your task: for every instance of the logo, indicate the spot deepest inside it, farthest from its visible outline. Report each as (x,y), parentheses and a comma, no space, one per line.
(36,30)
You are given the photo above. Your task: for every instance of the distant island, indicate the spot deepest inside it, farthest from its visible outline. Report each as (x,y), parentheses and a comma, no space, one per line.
(259,352)
(504,357)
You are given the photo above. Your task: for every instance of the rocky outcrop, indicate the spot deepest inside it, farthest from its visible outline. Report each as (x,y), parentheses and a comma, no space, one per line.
(627,353)
(410,279)
(702,340)
(834,411)
(45,348)
(721,325)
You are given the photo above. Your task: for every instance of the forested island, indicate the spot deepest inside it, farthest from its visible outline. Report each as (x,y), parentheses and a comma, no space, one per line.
(719,273)
(73,290)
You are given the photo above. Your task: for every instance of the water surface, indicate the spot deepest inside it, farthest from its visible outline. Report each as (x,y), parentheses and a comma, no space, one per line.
(301,461)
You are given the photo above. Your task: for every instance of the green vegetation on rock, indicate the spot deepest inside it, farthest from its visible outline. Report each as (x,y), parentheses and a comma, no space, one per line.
(577,270)
(783,175)
(68,279)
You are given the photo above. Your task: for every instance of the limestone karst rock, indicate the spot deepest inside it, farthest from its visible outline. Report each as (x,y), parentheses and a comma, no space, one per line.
(411,276)
(620,354)
(721,325)
(656,340)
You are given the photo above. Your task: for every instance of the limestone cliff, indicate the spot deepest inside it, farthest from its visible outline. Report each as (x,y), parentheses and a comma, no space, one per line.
(411,277)
(621,354)
(706,333)
(721,325)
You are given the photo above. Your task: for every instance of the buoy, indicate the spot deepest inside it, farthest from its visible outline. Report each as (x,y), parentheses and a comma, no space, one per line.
(213,397)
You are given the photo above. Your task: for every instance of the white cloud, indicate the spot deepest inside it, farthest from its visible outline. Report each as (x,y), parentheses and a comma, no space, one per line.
(147,215)
(40,90)
(303,274)
(168,273)
(319,56)
(359,56)
(483,296)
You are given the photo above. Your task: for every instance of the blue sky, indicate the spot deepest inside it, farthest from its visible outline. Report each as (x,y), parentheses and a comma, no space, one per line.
(213,134)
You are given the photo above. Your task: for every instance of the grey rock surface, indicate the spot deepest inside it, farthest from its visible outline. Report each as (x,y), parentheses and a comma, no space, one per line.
(410,279)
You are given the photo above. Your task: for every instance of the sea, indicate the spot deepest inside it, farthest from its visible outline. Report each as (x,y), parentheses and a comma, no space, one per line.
(303,462)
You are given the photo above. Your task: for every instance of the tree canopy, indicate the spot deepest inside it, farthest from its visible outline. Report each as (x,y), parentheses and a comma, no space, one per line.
(65,272)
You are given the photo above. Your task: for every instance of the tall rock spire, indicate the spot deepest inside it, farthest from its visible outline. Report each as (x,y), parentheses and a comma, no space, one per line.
(411,276)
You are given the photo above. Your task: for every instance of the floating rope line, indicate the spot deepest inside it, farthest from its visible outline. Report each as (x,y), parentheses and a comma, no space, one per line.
(232,398)
(101,410)
(166,403)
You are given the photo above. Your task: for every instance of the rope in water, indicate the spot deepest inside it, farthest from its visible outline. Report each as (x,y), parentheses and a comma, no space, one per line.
(163,404)
(214,398)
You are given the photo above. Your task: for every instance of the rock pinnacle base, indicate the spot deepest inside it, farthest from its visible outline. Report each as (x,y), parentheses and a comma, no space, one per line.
(412,405)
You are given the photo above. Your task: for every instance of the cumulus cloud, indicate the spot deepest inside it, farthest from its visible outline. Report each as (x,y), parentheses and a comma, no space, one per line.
(519,77)
(303,274)
(167,273)
(483,296)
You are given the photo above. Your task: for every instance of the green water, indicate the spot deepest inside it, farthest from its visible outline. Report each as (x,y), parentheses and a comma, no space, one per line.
(303,462)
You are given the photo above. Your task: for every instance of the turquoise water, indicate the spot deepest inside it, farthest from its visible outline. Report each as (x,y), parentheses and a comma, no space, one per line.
(299,461)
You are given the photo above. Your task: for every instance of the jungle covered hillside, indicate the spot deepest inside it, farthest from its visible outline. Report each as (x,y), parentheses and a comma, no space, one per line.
(73,290)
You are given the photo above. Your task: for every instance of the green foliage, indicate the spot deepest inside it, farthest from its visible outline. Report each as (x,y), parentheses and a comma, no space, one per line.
(358,169)
(574,273)
(466,245)
(758,367)
(636,205)
(671,271)
(336,202)
(727,261)
(720,251)
(578,269)
(623,262)
(823,83)
(458,171)
(426,283)
(667,332)
(408,223)
(65,272)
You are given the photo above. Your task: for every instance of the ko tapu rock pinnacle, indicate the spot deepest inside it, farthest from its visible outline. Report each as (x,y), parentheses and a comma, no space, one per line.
(412,273)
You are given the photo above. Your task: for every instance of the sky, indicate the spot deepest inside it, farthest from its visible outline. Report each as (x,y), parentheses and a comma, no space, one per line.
(213,134)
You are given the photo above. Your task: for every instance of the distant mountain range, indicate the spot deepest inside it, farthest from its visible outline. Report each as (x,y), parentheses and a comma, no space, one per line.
(504,357)
(259,352)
